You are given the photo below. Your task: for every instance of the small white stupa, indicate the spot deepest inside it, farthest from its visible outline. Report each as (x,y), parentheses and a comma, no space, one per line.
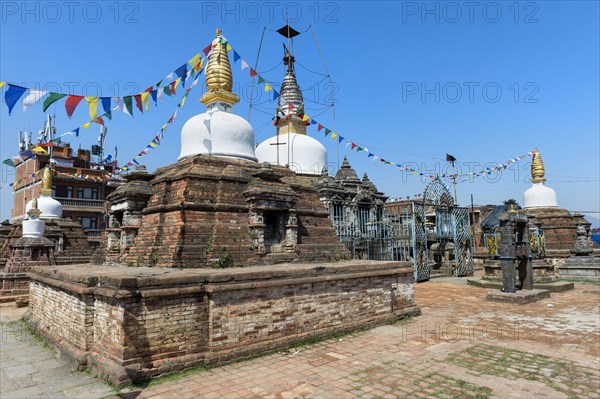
(49,207)
(538,195)
(218,131)
(291,146)
(33,227)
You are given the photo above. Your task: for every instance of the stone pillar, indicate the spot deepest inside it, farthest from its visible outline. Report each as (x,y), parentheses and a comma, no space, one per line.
(507,253)
(291,231)
(257,231)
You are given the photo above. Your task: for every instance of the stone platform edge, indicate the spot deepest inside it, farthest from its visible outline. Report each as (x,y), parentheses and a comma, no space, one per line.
(100,303)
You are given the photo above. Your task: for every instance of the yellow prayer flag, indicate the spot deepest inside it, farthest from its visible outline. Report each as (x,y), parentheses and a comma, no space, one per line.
(145,98)
(333,135)
(182,102)
(93,104)
(86,125)
(177,83)
(306,117)
(2,84)
(268,87)
(194,60)
(229,48)
(152,145)
(38,148)
(164,128)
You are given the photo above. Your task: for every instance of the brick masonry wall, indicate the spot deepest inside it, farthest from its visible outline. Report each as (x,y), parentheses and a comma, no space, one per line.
(13,284)
(62,314)
(244,317)
(133,324)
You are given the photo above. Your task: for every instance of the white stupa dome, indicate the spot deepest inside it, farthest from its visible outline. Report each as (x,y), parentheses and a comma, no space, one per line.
(217,132)
(306,155)
(539,196)
(50,208)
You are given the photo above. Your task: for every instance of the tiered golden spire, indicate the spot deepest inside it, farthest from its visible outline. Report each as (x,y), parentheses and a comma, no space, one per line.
(537,168)
(219,80)
(47,181)
(34,211)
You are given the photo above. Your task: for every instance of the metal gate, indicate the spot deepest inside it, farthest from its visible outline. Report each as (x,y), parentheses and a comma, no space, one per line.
(412,231)
(419,240)
(463,243)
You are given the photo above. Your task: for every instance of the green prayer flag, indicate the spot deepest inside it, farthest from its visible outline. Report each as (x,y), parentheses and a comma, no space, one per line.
(260,79)
(52,98)
(167,90)
(129,104)
(359,149)
(9,162)
(327,131)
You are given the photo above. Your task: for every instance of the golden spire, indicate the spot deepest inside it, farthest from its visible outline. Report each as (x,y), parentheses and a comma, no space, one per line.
(219,79)
(537,168)
(47,181)
(34,208)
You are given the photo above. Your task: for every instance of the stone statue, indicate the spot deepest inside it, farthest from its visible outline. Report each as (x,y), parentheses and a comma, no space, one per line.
(581,247)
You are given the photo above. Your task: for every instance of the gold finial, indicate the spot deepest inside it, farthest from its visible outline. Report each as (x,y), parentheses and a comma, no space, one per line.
(219,32)
(219,79)
(218,70)
(537,168)
(34,208)
(47,181)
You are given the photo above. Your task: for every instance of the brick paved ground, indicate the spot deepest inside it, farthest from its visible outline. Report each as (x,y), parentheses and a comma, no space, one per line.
(462,346)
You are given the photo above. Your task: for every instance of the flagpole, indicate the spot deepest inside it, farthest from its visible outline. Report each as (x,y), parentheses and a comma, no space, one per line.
(255,68)
(454,183)
(337,145)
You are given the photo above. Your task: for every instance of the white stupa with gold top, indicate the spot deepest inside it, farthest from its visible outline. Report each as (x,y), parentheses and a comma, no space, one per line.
(48,206)
(218,131)
(539,196)
(291,146)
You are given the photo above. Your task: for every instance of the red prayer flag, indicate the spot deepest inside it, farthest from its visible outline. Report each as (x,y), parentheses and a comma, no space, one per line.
(206,50)
(354,146)
(173,87)
(319,127)
(99,121)
(71,104)
(252,72)
(138,102)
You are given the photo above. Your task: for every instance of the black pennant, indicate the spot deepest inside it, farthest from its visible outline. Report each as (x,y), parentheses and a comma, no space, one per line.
(288,31)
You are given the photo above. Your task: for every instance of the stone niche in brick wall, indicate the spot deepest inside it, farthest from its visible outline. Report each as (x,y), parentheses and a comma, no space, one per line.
(134,324)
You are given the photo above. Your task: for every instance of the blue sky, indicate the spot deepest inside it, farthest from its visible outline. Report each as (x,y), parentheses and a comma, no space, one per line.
(412,81)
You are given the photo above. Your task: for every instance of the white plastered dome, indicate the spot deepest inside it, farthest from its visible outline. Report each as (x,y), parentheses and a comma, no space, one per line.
(50,208)
(217,132)
(539,196)
(306,155)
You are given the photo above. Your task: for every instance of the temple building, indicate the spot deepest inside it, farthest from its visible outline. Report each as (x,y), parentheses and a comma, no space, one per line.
(291,146)
(552,230)
(82,200)
(21,245)
(559,226)
(235,257)
(217,206)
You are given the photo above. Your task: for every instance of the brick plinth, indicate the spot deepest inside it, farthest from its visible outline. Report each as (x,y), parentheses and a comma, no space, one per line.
(133,324)
(214,211)
(559,230)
